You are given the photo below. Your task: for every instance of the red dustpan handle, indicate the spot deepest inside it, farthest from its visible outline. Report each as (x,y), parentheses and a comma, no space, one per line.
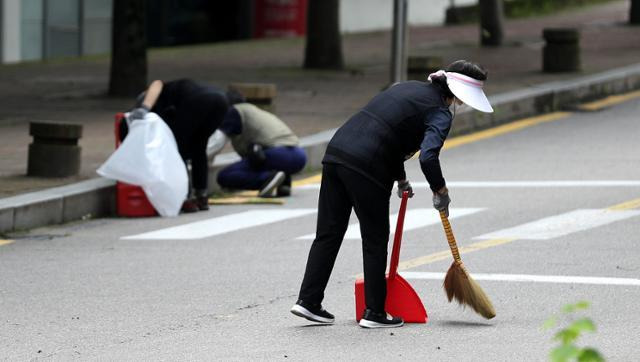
(397,238)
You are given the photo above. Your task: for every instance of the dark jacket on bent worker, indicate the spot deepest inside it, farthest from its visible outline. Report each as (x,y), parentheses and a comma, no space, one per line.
(398,122)
(193,111)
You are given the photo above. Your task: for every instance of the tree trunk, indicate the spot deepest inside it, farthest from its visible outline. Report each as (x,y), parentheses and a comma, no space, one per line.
(128,48)
(324,45)
(491,22)
(634,12)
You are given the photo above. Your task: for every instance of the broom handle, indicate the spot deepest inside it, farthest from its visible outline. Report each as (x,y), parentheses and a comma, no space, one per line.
(450,238)
(397,237)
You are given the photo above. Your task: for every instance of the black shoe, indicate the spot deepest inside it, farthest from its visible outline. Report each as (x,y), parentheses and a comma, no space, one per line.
(189,206)
(203,203)
(284,190)
(314,313)
(271,184)
(371,319)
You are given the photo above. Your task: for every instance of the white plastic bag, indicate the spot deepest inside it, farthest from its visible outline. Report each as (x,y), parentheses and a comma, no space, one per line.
(149,157)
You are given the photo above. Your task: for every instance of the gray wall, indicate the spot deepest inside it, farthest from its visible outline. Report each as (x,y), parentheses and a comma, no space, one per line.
(31,30)
(96,26)
(55,28)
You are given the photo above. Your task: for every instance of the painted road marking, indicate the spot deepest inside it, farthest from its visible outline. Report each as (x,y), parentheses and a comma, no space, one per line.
(560,225)
(516,184)
(530,278)
(414,219)
(555,183)
(308,180)
(5,242)
(609,101)
(506,128)
(627,205)
(222,224)
(446,254)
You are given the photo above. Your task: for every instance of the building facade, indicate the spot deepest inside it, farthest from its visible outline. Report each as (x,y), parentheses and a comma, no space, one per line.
(45,29)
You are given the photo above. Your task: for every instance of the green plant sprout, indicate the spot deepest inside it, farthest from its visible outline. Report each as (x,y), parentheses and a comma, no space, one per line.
(567,350)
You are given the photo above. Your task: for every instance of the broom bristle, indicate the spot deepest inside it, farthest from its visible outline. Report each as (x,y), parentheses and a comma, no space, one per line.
(459,285)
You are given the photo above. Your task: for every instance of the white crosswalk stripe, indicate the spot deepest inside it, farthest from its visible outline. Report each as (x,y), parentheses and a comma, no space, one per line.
(560,225)
(414,219)
(517,184)
(529,278)
(222,224)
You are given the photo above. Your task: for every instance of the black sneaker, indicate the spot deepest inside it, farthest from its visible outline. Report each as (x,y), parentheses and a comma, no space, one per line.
(271,184)
(371,319)
(284,190)
(314,313)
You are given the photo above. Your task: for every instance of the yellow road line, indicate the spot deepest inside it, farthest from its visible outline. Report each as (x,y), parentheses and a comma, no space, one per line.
(609,101)
(446,254)
(309,180)
(506,128)
(628,205)
(427,259)
(247,193)
(5,242)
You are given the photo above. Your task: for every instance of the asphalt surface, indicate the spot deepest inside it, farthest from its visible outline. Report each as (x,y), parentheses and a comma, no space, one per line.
(79,291)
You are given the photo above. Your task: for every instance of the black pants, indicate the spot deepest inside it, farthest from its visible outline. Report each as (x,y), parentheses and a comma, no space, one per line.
(341,190)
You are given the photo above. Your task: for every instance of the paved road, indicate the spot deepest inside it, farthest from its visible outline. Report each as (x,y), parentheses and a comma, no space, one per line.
(532,207)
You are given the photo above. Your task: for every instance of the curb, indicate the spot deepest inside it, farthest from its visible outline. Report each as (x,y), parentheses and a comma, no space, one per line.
(91,198)
(97,197)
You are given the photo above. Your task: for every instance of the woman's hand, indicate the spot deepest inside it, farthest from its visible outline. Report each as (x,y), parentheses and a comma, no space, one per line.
(441,200)
(404,185)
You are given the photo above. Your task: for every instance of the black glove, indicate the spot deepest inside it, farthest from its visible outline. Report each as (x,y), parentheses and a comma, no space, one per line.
(256,156)
(441,201)
(138,113)
(404,185)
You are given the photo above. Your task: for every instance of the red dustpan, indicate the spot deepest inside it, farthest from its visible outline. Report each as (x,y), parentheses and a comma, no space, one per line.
(402,300)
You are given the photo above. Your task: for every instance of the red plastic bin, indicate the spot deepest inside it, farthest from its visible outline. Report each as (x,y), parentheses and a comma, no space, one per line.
(131,201)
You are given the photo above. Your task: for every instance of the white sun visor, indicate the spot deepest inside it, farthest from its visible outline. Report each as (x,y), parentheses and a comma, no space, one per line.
(469,91)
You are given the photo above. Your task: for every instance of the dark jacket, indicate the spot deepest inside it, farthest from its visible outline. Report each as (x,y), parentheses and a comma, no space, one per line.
(193,111)
(399,121)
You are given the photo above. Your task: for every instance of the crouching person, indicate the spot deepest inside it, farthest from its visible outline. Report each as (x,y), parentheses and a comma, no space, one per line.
(269,150)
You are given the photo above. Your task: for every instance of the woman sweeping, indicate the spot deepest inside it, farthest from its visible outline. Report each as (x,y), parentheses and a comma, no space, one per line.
(363,160)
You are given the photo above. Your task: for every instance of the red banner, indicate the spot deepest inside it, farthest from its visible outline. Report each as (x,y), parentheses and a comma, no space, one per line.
(280,18)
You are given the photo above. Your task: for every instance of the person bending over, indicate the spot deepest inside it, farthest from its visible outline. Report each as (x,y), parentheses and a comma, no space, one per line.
(363,160)
(193,111)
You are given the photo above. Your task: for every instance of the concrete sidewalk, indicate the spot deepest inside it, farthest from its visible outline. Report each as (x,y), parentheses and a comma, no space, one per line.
(310,101)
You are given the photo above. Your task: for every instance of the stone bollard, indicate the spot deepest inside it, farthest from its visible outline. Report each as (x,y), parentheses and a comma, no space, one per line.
(260,94)
(54,151)
(562,50)
(420,66)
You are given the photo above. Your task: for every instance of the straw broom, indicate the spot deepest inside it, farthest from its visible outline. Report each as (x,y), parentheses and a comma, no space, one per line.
(458,283)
